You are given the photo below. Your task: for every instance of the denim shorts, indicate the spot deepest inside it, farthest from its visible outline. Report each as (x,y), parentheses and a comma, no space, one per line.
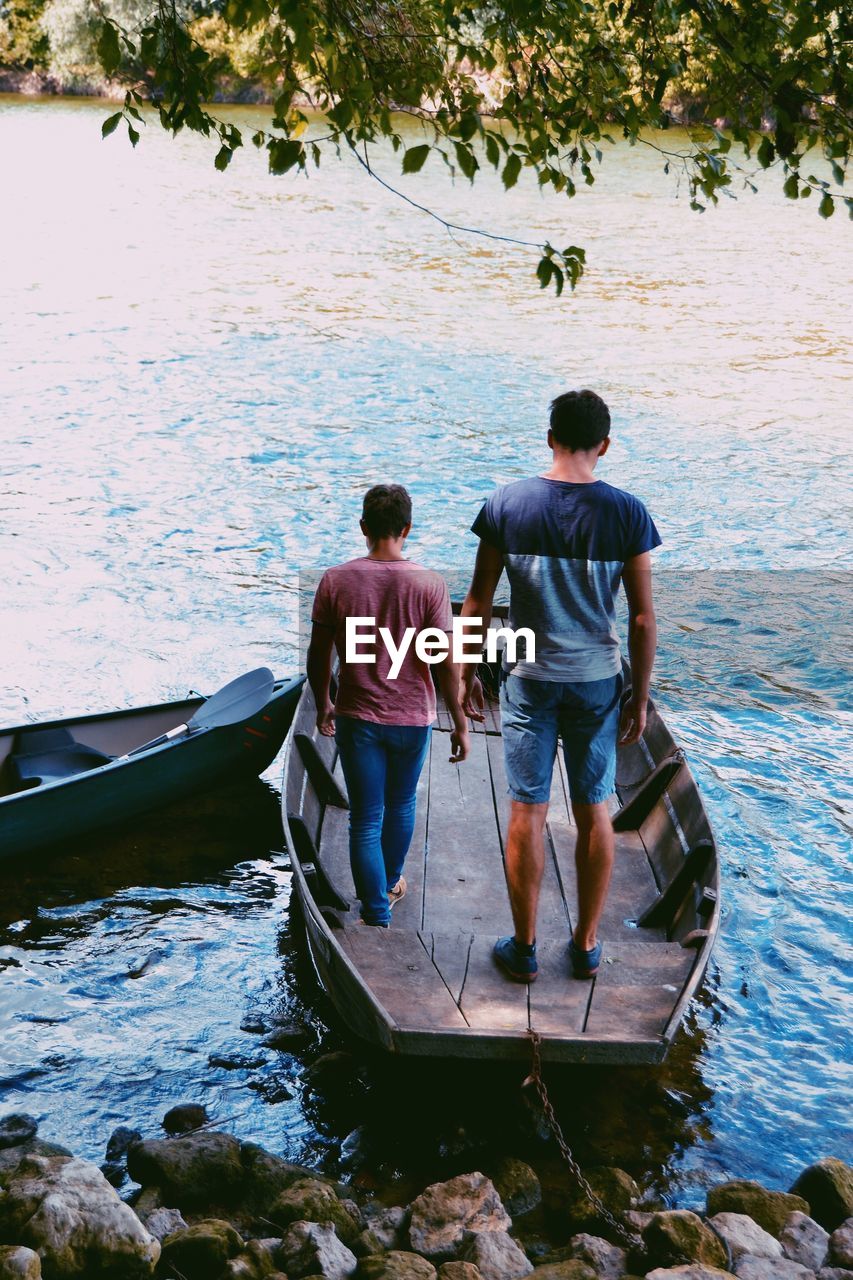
(584,714)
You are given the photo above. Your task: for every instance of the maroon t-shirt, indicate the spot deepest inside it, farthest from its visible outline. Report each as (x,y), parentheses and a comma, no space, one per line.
(397,594)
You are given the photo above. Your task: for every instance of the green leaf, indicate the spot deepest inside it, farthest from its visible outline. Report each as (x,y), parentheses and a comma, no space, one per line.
(559,280)
(415,158)
(826,208)
(467,160)
(512,169)
(110,125)
(792,187)
(132,134)
(544,272)
(223,158)
(493,153)
(109,51)
(765,153)
(284,154)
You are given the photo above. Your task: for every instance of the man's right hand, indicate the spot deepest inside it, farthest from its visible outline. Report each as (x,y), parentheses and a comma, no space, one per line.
(473,700)
(633,723)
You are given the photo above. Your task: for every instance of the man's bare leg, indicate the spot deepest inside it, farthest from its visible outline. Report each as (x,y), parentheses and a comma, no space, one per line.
(525,863)
(594,863)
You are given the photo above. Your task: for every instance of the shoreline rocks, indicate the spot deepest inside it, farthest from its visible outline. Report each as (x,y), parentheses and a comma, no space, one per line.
(212,1207)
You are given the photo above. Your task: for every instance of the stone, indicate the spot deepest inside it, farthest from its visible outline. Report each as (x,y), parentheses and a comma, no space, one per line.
(310,1200)
(458,1271)
(256,1262)
(396,1265)
(387,1223)
(518,1186)
(353,1154)
(834,1273)
(570,1269)
(66,1211)
(675,1236)
(841,1245)
(616,1189)
(751,1268)
(201,1251)
(770,1209)
(496,1255)
(803,1240)
(19,1263)
(828,1188)
(446,1211)
(119,1141)
(313,1249)
(17,1128)
(11,1157)
(366,1244)
(265,1176)
(287,1035)
(200,1169)
(329,1067)
(163,1222)
(743,1235)
(606,1259)
(185,1117)
(690,1271)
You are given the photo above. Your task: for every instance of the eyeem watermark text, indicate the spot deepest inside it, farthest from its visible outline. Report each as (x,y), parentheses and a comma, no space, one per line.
(464,644)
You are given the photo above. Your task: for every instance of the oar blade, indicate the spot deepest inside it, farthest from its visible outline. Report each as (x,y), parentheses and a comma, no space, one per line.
(236,700)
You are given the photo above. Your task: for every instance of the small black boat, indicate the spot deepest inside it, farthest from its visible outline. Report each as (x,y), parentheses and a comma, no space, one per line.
(60,779)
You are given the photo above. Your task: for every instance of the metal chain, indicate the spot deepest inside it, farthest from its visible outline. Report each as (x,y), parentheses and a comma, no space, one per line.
(629,1238)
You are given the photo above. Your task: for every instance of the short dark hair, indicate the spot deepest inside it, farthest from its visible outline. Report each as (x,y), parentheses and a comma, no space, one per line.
(579,420)
(387,510)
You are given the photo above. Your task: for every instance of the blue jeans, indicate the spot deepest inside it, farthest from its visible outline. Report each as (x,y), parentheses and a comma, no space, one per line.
(585,714)
(381,764)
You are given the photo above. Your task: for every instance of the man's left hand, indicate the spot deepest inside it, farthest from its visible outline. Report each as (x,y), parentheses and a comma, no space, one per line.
(326,721)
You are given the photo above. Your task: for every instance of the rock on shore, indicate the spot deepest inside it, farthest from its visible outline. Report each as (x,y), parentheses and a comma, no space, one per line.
(214,1208)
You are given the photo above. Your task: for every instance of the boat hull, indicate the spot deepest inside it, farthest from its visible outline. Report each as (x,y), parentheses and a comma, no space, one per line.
(58,811)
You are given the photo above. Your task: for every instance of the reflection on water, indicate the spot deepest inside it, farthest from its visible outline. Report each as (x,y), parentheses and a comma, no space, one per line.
(202,373)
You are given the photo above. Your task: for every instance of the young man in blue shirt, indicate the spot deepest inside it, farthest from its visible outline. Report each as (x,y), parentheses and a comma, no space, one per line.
(566,540)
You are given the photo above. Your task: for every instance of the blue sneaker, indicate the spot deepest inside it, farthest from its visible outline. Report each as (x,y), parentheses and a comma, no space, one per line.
(515,963)
(584,963)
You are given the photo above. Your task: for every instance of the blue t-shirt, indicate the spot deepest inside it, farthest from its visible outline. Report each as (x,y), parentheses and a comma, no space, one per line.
(564,546)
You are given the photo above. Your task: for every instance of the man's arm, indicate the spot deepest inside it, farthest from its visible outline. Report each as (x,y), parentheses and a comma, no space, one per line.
(320,676)
(488,568)
(642,643)
(448,675)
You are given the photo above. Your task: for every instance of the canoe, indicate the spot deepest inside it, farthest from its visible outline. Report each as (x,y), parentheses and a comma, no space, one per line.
(60,779)
(429,984)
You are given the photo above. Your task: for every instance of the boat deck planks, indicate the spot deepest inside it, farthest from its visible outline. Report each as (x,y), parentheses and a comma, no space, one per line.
(433,972)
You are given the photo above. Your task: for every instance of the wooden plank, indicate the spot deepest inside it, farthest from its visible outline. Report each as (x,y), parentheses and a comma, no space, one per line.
(449,953)
(396,968)
(558,1002)
(662,841)
(637,988)
(312,810)
(489,999)
(689,809)
(464,882)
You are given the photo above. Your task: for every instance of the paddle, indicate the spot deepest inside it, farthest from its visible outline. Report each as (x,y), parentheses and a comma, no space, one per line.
(235,701)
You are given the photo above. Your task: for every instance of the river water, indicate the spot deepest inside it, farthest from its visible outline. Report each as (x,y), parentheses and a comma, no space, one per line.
(201,373)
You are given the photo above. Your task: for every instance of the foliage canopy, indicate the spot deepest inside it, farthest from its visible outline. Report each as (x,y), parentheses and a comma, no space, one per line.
(543,85)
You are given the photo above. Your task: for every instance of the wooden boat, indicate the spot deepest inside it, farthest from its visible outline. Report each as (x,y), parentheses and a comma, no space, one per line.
(62,778)
(429,985)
